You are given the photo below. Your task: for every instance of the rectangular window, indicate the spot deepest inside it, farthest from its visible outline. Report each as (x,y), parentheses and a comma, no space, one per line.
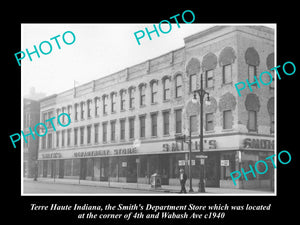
(193,82)
(75,136)
(104,105)
(122,129)
(62,138)
(122,99)
(193,124)
(252,122)
(68,137)
(96,106)
(89,102)
(227,74)
(89,129)
(131,128)
(113,102)
(76,111)
(57,138)
(81,135)
(96,127)
(227,119)
(104,132)
(153,92)
(57,114)
(113,130)
(82,110)
(142,126)
(49,144)
(166,121)
(44,142)
(209,74)
(44,118)
(131,98)
(63,117)
(251,73)
(142,95)
(209,119)
(166,85)
(272,123)
(178,121)
(154,124)
(178,86)
(272,85)
(70,111)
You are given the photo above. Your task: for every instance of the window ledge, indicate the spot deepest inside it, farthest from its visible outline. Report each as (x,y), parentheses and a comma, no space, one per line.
(228,130)
(209,131)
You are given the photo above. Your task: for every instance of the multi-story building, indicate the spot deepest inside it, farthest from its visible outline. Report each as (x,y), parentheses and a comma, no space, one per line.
(31,116)
(151,102)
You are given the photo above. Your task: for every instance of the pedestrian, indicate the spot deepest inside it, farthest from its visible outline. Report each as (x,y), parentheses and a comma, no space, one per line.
(182,178)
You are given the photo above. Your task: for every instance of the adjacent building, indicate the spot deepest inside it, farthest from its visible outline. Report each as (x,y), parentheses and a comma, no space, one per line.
(123,126)
(31,116)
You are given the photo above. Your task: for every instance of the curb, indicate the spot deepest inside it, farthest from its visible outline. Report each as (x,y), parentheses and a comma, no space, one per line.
(94,185)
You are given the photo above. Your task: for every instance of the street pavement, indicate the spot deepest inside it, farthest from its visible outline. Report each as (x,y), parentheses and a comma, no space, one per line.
(73,186)
(31,187)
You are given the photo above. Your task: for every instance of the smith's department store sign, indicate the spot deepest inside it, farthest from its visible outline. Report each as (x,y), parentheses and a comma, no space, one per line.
(216,144)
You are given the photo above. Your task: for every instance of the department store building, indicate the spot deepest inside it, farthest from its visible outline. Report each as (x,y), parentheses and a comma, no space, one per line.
(123,125)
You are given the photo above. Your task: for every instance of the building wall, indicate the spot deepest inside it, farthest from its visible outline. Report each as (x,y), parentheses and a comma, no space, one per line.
(202,52)
(31,114)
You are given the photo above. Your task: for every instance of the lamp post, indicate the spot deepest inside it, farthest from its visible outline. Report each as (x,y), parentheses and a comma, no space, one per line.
(184,138)
(201,92)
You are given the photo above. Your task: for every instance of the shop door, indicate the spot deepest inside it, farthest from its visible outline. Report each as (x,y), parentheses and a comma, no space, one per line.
(212,170)
(82,169)
(164,165)
(45,167)
(104,167)
(131,170)
(61,169)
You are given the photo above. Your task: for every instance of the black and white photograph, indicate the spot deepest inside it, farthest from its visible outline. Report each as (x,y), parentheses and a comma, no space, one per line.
(137,129)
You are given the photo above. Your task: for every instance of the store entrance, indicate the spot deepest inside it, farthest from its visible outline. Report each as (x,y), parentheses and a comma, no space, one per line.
(212,169)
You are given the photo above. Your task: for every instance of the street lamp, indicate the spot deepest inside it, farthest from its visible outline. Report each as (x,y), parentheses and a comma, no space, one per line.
(201,92)
(188,140)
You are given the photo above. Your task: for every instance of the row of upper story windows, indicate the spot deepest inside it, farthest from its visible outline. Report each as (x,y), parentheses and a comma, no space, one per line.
(63,137)
(129,96)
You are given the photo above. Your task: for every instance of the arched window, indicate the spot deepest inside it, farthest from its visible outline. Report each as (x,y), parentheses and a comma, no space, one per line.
(178,86)
(142,88)
(252,106)
(209,63)
(270,65)
(154,89)
(226,59)
(252,59)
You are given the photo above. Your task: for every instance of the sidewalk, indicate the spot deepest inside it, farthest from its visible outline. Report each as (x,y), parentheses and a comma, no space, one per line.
(165,188)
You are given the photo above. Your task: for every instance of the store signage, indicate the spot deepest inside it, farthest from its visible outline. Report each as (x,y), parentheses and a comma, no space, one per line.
(91,153)
(186,162)
(174,147)
(51,155)
(224,162)
(258,143)
(121,151)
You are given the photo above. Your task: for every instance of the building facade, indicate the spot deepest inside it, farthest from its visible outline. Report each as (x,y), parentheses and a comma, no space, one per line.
(31,116)
(123,126)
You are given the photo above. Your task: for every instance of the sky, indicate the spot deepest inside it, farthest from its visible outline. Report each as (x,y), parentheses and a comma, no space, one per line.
(98,50)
